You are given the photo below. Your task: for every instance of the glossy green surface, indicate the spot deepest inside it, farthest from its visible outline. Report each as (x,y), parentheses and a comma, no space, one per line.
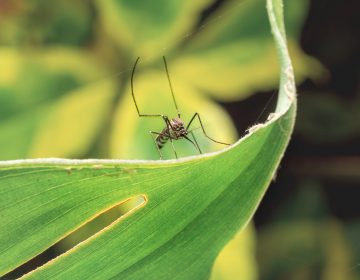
(192,208)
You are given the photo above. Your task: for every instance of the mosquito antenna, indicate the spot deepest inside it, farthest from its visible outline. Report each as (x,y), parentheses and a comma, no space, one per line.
(132,85)
(171,88)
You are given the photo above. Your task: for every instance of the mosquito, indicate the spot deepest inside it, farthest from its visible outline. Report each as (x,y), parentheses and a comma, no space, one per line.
(175,128)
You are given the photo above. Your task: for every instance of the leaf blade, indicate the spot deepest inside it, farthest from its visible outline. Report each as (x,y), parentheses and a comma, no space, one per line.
(194,205)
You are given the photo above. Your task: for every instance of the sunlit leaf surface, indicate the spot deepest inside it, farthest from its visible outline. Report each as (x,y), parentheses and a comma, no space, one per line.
(136,27)
(47,96)
(192,207)
(237,259)
(226,59)
(83,111)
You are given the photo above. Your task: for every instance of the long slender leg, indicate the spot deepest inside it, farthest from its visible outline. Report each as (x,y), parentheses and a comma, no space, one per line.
(171,88)
(167,122)
(195,143)
(172,145)
(157,147)
(202,127)
(193,136)
(152,133)
(133,95)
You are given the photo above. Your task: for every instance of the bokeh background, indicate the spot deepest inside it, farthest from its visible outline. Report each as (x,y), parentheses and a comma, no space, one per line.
(65,92)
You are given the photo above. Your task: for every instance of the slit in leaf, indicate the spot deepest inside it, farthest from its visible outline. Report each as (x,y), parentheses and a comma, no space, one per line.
(100,222)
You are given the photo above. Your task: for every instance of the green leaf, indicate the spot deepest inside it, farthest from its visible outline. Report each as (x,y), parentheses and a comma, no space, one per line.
(42,87)
(16,134)
(216,71)
(81,112)
(233,56)
(43,22)
(137,23)
(193,206)
(237,260)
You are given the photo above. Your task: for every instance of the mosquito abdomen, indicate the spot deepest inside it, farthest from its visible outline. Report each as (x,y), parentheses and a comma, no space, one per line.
(162,138)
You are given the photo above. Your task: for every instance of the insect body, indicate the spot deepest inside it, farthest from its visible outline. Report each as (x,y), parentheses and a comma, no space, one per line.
(175,128)
(175,131)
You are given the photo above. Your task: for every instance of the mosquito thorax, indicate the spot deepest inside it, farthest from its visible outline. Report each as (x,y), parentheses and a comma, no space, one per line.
(178,128)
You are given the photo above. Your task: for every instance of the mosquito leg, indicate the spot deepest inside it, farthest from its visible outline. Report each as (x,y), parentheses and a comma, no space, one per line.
(171,88)
(167,122)
(153,133)
(192,142)
(203,129)
(133,95)
(197,145)
(172,145)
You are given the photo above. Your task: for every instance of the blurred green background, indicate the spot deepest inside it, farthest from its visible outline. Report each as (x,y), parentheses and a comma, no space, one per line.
(65,92)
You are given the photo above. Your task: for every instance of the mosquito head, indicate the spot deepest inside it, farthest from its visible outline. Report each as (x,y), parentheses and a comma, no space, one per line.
(178,128)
